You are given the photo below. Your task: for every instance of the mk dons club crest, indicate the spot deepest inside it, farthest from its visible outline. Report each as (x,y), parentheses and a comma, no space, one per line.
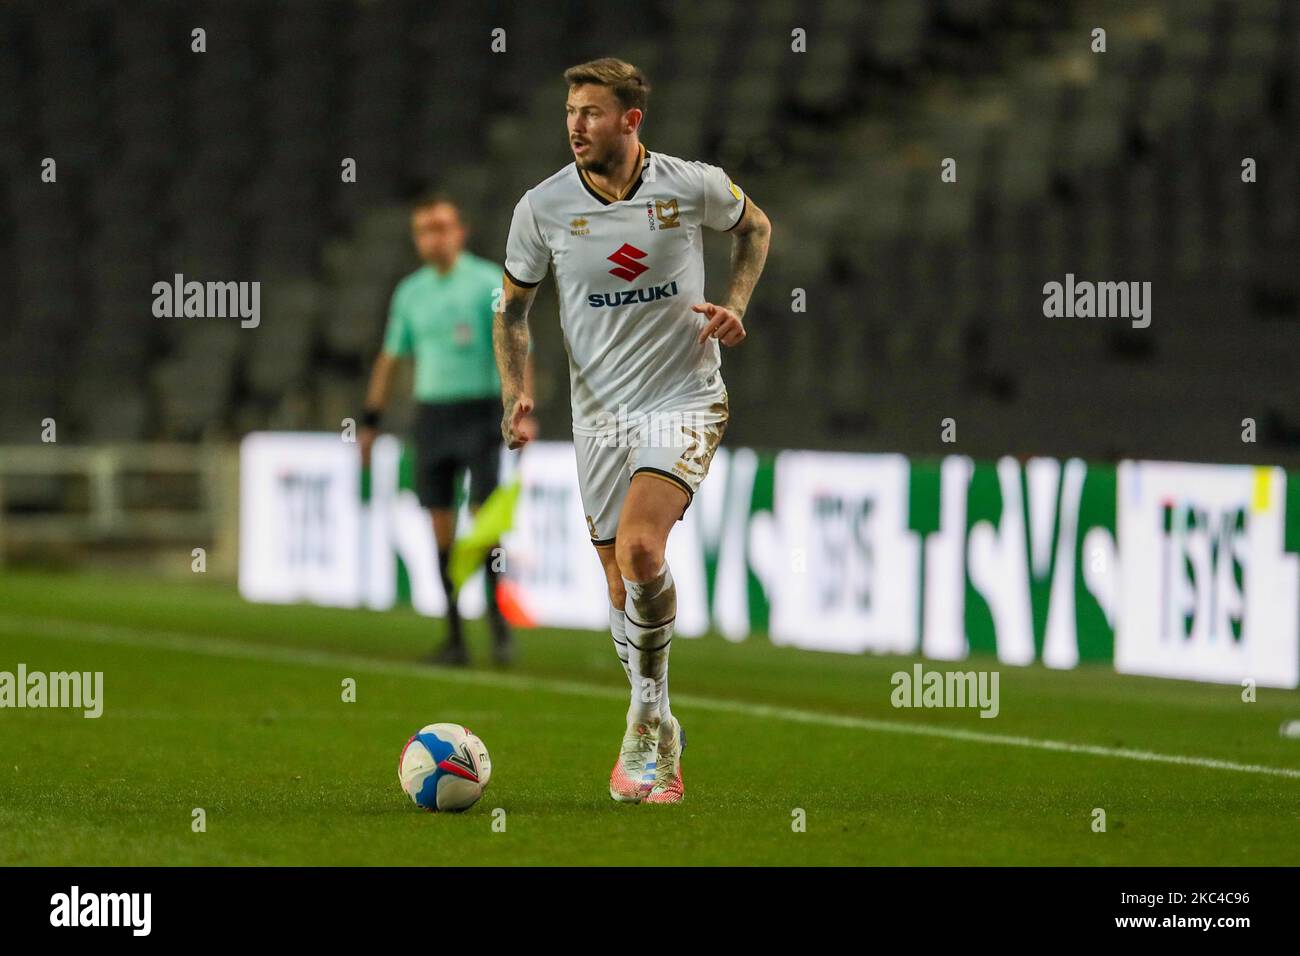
(665,214)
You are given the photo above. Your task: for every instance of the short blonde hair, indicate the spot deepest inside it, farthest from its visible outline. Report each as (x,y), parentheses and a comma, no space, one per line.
(629,85)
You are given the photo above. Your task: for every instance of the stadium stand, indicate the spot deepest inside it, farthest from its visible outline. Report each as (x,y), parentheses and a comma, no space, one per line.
(923,297)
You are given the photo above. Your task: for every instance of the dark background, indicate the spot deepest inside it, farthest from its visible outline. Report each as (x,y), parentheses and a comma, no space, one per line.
(924,298)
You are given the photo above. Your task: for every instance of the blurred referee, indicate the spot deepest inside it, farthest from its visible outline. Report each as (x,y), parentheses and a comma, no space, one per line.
(442,315)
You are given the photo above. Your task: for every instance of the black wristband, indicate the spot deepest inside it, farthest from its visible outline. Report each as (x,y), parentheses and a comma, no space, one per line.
(370,418)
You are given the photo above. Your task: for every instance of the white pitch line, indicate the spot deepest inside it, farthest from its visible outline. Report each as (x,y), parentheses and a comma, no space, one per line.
(241,650)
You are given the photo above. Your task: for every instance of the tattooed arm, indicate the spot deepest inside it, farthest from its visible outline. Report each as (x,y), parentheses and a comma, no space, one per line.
(510,343)
(751,237)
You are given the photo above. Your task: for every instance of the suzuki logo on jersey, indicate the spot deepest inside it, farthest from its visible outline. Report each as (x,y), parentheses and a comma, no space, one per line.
(626,261)
(599,300)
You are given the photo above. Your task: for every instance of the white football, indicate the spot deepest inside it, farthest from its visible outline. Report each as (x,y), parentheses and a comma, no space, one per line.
(444,767)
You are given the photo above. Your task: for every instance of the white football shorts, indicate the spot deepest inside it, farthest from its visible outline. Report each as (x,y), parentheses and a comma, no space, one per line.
(673,446)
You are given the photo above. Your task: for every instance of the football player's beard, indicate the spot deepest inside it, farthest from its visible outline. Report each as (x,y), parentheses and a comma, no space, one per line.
(598,164)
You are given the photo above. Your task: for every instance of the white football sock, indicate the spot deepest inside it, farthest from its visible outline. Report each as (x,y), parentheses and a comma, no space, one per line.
(618,631)
(650,611)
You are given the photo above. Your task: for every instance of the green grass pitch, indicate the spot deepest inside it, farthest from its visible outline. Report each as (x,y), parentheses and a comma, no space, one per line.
(237,709)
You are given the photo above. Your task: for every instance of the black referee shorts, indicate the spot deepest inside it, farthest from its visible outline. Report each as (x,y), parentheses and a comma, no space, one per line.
(453,436)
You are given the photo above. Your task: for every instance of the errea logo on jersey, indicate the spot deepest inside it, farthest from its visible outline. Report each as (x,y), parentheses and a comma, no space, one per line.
(626,261)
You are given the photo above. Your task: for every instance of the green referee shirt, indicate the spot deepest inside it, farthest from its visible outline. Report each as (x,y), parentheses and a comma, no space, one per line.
(445,321)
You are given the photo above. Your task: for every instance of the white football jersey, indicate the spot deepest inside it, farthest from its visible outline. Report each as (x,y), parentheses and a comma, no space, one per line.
(628,269)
